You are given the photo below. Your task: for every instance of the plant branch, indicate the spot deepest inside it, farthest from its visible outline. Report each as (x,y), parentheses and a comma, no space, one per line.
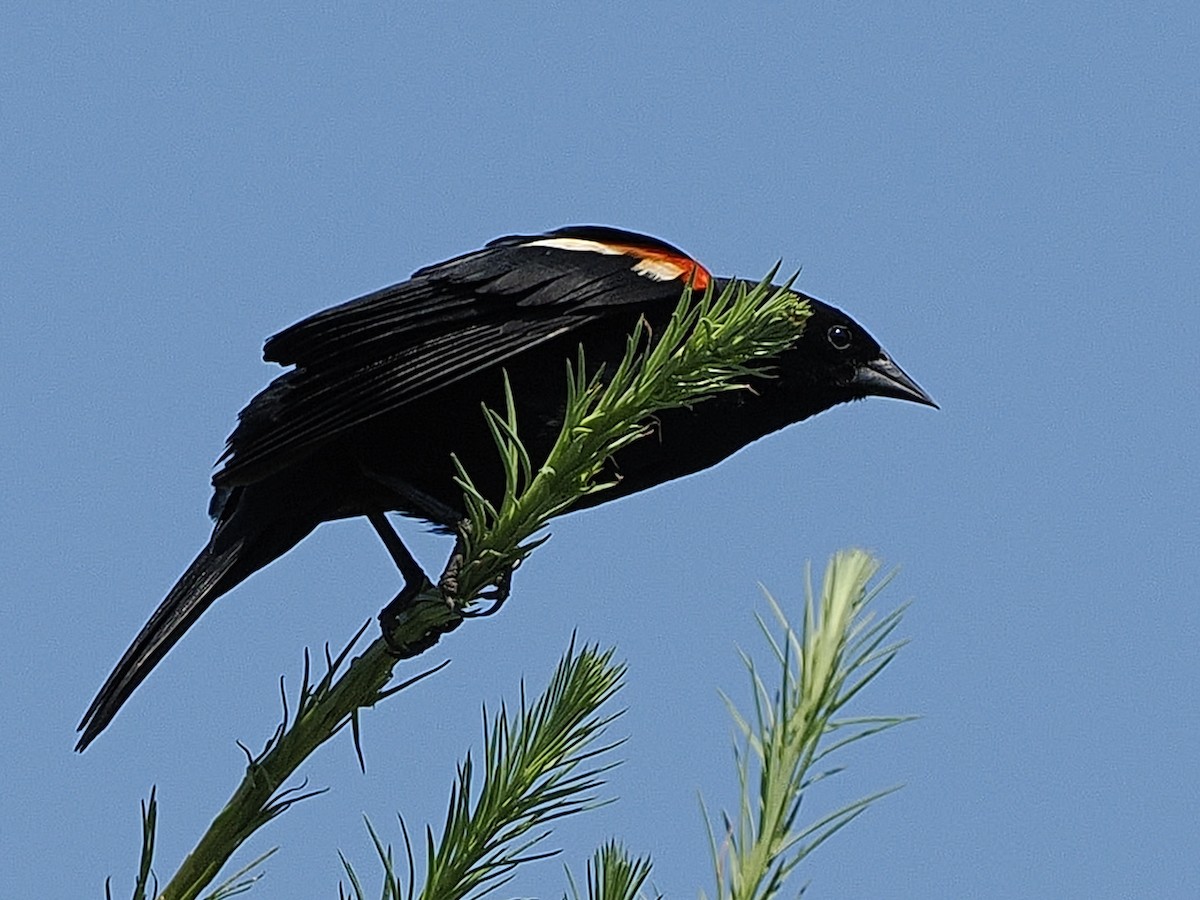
(838,649)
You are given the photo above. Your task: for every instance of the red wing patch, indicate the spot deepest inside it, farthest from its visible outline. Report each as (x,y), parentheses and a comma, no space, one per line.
(652,262)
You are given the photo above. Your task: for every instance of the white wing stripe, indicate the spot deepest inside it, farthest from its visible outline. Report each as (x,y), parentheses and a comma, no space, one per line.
(576,244)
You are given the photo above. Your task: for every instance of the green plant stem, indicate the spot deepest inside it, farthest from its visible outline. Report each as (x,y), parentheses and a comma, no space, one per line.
(329,707)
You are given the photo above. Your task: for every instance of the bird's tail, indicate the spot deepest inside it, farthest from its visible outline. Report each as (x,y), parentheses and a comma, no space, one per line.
(213,573)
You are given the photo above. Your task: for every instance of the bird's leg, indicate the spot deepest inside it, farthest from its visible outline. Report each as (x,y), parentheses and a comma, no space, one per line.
(415,579)
(415,583)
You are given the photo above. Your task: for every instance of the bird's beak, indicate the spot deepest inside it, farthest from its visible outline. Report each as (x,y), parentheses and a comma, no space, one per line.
(883,378)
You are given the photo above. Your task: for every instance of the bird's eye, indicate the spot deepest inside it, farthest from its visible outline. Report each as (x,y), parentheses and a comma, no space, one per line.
(839,337)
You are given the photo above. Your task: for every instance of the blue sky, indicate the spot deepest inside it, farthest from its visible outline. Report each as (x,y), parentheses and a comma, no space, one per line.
(1008,198)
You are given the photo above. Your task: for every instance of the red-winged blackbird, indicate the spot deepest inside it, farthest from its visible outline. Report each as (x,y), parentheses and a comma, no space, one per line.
(386,387)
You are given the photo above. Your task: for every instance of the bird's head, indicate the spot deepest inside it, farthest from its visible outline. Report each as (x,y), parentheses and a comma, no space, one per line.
(836,360)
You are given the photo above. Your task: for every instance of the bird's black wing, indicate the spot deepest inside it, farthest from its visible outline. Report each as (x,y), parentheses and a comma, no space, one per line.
(373,355)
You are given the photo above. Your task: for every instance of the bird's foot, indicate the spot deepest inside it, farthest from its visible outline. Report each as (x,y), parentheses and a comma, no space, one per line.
(497,595)
(403,607)
(391,614)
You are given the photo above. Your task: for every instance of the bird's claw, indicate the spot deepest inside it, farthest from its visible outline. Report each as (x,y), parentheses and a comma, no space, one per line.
(497,595)
(392,615)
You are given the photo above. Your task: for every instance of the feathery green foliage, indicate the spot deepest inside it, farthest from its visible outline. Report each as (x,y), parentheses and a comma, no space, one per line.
(145,876)
(540,764)
(838,650)
(536,769)
(613,874)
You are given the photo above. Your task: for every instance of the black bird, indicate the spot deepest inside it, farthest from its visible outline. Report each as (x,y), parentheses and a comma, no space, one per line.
(384,388)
